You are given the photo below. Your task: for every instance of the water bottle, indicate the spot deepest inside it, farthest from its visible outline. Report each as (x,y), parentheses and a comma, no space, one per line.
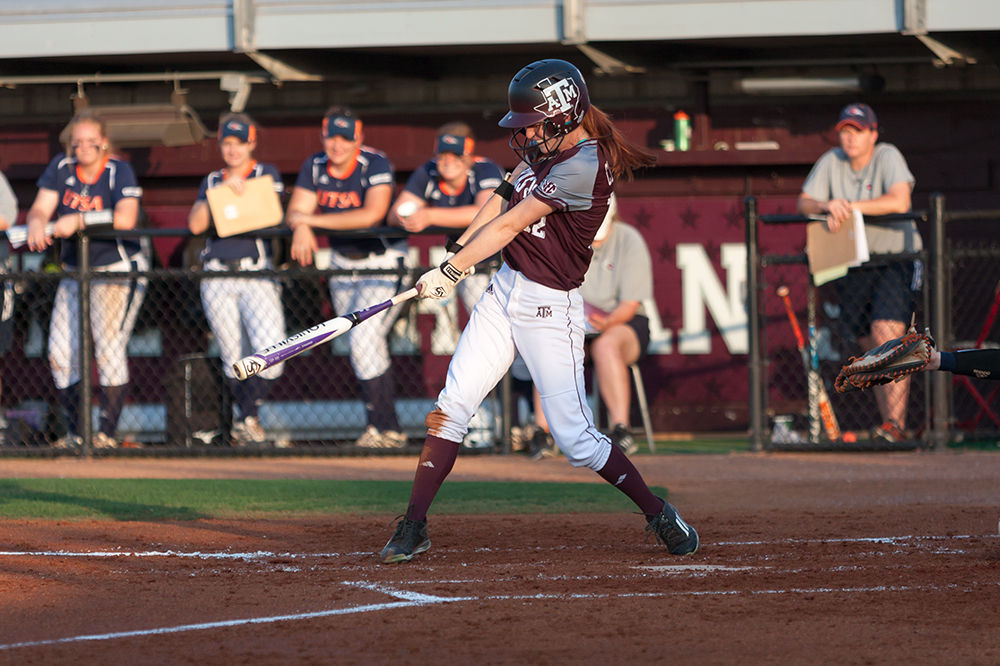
(682,131)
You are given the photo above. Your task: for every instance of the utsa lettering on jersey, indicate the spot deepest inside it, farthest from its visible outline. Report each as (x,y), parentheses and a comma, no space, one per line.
(571,153)
(346,186)
(86,179)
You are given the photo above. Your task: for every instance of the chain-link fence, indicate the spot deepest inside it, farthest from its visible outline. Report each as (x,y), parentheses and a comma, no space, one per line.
(952,287)
(150,374)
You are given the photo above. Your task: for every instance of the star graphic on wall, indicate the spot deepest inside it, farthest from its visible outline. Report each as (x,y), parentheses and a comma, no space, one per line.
(642,219)
(734,217)
(666,251)
(689,218)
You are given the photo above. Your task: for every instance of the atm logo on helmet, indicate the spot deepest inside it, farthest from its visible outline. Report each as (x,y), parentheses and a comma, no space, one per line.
(560,96)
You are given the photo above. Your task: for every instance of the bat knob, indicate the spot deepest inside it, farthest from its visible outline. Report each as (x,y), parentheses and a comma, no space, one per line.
(247,367)
(782,291)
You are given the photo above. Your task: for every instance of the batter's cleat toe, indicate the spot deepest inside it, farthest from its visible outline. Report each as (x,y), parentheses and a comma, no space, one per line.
(409,539)
(671,530)
(622,438)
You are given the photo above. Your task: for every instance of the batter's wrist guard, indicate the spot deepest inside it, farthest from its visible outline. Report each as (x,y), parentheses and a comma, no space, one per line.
(453,246)
(451,272)
(505,190)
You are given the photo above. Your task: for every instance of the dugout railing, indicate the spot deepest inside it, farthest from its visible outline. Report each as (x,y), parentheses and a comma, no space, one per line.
(178,403)
(959,300)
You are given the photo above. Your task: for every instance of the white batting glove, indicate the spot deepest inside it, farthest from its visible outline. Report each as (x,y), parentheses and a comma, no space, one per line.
(438,283)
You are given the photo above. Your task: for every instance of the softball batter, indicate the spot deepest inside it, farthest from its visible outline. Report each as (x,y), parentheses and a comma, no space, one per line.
(345,186)
(88,185)
(558,196)
(234,305)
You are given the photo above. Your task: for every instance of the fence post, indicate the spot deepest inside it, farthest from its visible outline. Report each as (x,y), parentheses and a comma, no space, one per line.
(86,343)
(755,401)
(941,382)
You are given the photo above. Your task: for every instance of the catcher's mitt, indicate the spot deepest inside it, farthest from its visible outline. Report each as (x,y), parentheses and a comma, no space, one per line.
(886,363)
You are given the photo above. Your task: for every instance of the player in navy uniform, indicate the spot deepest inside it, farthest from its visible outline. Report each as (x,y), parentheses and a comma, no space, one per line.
(571,155)
(237,304)
(86,186)
(448,191)
(347,186)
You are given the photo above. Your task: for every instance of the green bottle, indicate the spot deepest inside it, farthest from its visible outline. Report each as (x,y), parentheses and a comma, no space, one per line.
(682,131)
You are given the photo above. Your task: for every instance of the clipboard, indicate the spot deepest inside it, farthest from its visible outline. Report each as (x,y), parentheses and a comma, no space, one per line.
(257,208)
(832,254)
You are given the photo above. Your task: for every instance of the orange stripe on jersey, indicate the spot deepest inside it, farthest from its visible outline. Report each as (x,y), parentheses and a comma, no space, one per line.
(347,174)
(100,170)
(247,172)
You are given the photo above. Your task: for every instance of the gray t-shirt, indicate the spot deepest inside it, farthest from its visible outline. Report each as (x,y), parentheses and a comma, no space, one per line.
(833,178)
(8,211)
(620,270)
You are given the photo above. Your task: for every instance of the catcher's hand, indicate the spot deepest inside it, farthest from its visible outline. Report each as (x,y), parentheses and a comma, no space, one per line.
(886,363)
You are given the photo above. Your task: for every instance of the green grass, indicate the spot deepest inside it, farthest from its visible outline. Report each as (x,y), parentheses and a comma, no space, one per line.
(192,499)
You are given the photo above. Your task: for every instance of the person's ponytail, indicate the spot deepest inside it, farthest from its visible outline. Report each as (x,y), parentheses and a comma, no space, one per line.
(623,156)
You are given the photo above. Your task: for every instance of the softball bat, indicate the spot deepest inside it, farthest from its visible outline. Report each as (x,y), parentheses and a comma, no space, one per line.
(311,337)
(827,414)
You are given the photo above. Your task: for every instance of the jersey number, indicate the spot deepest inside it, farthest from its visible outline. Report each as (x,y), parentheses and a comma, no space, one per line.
(538,228)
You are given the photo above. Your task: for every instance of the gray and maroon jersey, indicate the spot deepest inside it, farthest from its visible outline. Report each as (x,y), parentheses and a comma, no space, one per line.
(555,251)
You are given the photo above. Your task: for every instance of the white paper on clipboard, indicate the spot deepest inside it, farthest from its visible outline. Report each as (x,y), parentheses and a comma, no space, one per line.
(832,254)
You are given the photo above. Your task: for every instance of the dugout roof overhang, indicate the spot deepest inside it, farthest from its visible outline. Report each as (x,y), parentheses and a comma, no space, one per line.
(237,44)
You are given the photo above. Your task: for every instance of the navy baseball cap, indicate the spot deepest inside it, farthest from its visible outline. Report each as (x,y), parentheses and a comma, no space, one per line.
(858,115)
(452,143)
(341,125)
(241,130)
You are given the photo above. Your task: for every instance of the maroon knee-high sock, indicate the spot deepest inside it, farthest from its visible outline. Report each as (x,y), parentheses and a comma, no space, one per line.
(436,460)
(622,474)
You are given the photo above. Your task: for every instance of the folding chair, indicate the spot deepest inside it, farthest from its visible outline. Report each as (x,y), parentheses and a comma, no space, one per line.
(640,396)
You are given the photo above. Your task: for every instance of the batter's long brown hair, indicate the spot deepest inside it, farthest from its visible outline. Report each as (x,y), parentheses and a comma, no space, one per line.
(623,155)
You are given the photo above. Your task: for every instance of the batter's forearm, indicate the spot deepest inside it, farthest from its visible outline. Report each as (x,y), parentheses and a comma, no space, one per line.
(485,243)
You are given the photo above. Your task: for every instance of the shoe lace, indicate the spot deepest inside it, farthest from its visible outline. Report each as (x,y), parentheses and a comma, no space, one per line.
(653,527)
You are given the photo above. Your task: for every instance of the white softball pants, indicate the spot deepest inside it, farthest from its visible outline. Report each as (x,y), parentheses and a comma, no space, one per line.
(114,307)
(545,326)
(349,293)
(245,315)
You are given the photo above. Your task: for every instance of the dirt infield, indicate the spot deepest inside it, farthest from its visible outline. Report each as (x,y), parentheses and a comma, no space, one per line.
(805,558)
